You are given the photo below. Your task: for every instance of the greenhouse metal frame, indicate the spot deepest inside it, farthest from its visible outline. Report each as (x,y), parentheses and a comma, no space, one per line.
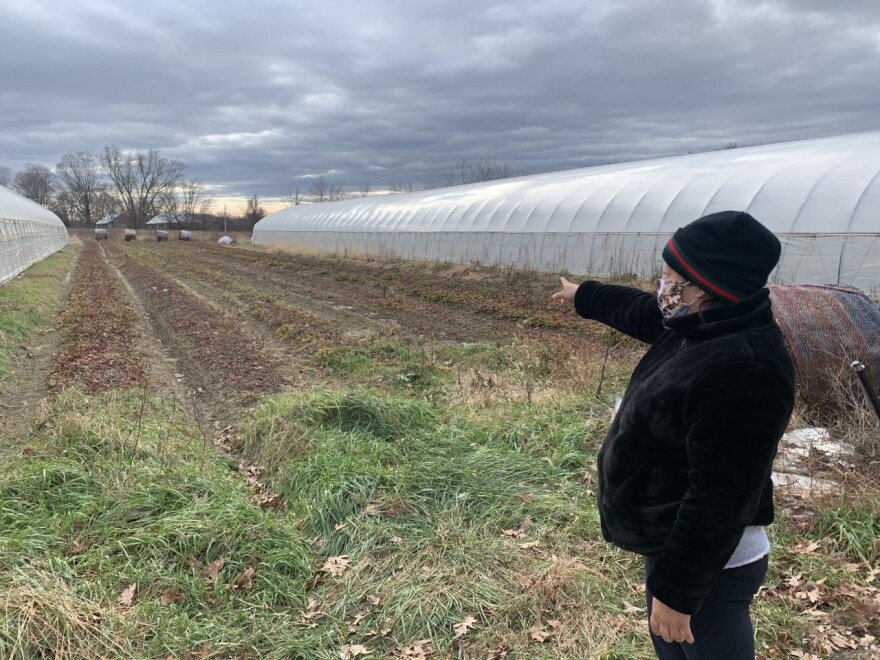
(28,234)
(820,197)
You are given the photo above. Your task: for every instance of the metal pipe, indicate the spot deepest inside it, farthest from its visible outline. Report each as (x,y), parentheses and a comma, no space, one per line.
(859,368)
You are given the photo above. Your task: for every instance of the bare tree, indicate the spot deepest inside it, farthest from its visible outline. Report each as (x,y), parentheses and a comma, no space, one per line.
(293,197)
(400,186)
(481,170)
(5,176)
(364,190)
(62,205)
(185,202)
(319,188)
(141,178)
(255,212)
(35,182)
(105,203)
(80,175)
(336,193)
(449,178)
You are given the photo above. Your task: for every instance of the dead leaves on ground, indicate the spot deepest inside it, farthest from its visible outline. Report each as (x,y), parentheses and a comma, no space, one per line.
(126,596)
(336,566)
(463,627)
(262,497)
(353,651)
(841,612)
(524,524)
(539,632)
(172,597)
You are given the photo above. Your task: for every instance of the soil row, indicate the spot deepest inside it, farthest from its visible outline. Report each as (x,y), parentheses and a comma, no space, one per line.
(507,294)
(406,297)
(219,358)
(99,331)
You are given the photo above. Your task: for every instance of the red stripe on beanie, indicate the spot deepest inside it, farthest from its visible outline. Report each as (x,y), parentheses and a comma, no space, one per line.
(694,274)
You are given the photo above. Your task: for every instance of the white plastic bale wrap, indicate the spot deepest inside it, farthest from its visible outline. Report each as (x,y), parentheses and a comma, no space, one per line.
(820,197)
(28,234)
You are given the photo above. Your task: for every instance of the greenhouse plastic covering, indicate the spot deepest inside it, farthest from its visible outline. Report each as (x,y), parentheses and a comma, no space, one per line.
(28,233)
(820,197)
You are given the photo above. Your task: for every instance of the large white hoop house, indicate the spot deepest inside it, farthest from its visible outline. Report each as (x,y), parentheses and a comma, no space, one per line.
(820,197)
(28,233)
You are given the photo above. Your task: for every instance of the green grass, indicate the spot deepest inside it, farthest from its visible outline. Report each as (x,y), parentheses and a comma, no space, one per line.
(27,304)
(854,531)
(111,493)
(420,501)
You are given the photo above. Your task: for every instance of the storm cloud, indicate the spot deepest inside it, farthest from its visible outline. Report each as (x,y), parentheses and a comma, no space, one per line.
(258,97)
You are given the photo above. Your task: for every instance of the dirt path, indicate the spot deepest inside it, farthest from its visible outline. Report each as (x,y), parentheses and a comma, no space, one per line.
(161,368)
(22,398)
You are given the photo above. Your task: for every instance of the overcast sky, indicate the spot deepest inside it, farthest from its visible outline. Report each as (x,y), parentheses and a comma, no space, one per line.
(257,96)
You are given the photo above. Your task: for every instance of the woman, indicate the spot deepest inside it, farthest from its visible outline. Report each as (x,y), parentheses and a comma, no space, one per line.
(684,472)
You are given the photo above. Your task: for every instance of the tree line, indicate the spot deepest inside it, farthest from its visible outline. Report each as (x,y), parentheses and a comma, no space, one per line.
(86,187)
(320,189)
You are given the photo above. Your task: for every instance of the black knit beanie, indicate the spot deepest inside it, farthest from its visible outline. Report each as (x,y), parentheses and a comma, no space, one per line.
(727,254)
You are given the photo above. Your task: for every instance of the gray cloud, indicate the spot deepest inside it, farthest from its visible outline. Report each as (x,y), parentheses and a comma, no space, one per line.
(255,96)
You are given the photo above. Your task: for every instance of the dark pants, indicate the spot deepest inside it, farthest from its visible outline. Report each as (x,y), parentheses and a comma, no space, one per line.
(722,629)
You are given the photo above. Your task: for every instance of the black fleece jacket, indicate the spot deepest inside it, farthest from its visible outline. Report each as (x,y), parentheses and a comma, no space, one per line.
(686,464)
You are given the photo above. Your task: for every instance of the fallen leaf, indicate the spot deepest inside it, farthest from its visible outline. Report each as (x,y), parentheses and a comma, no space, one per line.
(843,642)
(513,533)
(270,501)
(539,633)
(417,650)
(336,565)
(462,628)
(312,611)
(353,650)
(172,596)
(126,596)
(339,526)
(214,569)
(529,545)
(243,581)
(806,548)
(631,609)
(76,548)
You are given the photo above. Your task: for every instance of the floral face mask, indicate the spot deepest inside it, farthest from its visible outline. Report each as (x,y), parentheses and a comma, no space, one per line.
(669,298)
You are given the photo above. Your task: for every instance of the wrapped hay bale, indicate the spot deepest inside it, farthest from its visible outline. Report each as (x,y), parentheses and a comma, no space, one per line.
(184,235)
(826,328)
(130,235)
(161,235)
(226,240)
(101,234)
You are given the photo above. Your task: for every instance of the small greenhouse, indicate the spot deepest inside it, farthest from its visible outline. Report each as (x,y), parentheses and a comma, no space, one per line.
(820,197)
(28,233)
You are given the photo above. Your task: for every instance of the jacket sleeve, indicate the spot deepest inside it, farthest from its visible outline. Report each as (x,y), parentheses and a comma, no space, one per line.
(735,416)
(629,310)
